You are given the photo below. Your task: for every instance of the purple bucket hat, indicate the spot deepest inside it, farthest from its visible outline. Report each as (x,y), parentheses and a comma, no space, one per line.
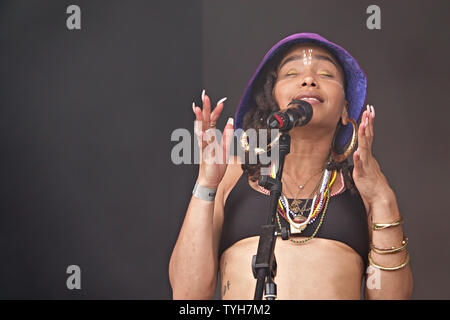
(356,79)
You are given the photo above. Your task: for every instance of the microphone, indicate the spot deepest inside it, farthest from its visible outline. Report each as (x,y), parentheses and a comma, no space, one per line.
(297,116)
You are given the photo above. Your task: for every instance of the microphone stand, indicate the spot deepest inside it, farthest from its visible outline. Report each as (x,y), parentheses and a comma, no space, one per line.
(264,264)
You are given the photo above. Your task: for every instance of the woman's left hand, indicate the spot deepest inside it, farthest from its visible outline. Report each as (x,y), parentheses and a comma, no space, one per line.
(369,180)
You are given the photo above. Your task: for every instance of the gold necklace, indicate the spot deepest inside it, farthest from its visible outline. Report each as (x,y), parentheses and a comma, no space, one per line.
(295,204)
(301,186)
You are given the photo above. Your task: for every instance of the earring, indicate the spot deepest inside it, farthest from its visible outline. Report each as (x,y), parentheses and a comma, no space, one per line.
(340,157)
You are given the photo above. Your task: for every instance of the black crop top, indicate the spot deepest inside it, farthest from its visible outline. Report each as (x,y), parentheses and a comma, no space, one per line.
(247,209)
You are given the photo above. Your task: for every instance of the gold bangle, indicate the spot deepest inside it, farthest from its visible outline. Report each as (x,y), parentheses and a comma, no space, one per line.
(391,250)
(390,268)
(380,226)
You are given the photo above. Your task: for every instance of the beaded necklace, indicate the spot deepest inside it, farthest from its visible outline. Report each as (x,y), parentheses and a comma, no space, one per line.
(283,203)
(319,205)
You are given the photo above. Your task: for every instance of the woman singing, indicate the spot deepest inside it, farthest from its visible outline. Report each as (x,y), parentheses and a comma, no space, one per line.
(343,219)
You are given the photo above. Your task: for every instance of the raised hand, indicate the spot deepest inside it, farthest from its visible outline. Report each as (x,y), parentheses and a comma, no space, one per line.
(213,155)
(369,180)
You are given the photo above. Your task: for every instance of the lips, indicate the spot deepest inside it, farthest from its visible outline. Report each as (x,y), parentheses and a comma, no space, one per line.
(311,98)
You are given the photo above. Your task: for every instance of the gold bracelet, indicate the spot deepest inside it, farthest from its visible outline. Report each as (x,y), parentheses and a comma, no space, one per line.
(391,250)
(390,268)
(380,226)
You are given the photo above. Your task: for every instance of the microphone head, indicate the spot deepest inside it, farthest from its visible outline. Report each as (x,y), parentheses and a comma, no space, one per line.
(304,109)
(296,116)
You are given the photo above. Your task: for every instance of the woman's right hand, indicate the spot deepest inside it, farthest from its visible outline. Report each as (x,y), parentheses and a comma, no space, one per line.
(212,164)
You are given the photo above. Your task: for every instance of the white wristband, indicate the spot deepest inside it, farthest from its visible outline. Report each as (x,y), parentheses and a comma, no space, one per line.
(204,193)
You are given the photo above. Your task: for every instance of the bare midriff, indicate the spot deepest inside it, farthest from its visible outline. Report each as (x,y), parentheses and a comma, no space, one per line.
(318,269)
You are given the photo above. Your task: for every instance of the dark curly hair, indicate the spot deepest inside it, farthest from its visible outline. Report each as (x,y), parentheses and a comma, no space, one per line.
(256,118)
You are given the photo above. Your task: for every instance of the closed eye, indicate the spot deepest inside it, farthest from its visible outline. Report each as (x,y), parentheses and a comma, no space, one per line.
(326,74)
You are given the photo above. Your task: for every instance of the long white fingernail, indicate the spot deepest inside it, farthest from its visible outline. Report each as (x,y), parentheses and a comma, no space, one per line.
(203,94)
(230,121)
(221,100)
(373,111)
(193,107)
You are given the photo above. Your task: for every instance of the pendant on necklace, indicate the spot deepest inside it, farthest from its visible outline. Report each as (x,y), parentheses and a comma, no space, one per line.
(295,208)
(298,217)
(295,230)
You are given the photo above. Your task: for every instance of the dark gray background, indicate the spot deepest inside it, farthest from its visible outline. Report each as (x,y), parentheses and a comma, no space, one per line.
(86,117)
